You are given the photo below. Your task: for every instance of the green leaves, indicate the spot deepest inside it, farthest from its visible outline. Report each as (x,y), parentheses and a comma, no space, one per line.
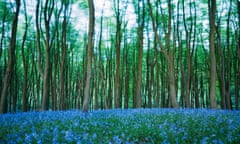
(83,4)
(5,11)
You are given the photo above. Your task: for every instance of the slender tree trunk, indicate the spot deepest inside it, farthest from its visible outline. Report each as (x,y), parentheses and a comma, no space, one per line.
(3,19)
(89,56)
(148,86)
(237,65)
(228,66)
(37,16)
(221,74)
(180,58)
(25,74)
(157,97)
(98,64)
(139,74)
(172,84)
(187,77)
(46,72)
(57,59)
(212,12)
(109,98)
(196,82)
(46,78)
(11,59)
(117,72)
(54,84)
(157,89)
(126,95)
(47,69)
(117,79)
(63,56)
(140,54)
(167,54)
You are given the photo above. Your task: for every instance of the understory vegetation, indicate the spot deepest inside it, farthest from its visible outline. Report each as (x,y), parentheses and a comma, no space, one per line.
(122,126)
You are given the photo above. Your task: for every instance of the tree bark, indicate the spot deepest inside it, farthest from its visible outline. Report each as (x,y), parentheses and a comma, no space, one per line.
(126,94)
(91,24)
(25,67)
(228,66)
(140,54)
(212,12)
(3,19)
(11,59)
(237,65)
(47,69)
(188,73)
(167,54)
(117,57)
(63,55)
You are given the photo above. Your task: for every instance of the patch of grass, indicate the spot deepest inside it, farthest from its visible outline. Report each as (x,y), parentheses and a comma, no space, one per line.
(122,126)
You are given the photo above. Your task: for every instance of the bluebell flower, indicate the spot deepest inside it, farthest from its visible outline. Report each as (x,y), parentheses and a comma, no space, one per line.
(116,140)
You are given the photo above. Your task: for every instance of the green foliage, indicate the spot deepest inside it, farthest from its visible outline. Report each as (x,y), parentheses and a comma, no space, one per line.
(83,4)
(5,10)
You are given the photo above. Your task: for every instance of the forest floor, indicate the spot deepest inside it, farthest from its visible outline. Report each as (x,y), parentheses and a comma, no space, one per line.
(122,126)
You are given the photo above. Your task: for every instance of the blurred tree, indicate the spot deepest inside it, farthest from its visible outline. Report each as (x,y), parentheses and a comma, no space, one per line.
(140,11)
(117,82)
(89,56)
(11,59)
(24,61)
(212,13)
(166,50)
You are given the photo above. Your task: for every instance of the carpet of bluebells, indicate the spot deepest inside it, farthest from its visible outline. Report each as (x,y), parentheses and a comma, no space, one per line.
(122,126)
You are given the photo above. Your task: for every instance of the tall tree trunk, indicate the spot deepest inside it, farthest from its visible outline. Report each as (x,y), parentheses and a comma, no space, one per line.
(37,16)
(86,100)
(212,12)
(63,55)
(221,70)
(109,96)
(47,69)
(164,83)
(172,84)
(25,81)
(140,54)
(117,57)
(56,60)
(168,54)
(157,97)
(3,19)
(11,59)
(196,82)
(99,67)
(237,65)
(228,75)
(126,95)
(224,64)
(188,75)
(45,74)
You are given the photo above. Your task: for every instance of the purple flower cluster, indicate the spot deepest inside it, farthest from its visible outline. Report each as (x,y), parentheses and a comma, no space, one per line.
(122,126)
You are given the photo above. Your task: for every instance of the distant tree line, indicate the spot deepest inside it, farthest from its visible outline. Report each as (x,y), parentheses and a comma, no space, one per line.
(177,54)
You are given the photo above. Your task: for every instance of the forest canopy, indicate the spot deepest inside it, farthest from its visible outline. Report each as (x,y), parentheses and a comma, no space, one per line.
(104,54)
